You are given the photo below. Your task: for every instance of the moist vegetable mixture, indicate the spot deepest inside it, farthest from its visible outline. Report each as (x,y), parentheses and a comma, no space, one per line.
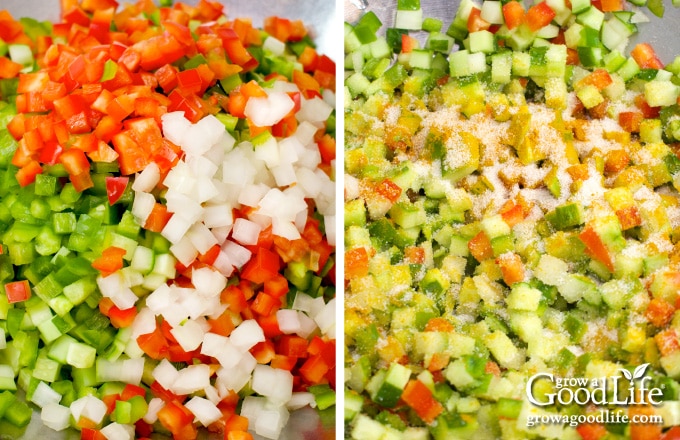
(511,224)
(166,222)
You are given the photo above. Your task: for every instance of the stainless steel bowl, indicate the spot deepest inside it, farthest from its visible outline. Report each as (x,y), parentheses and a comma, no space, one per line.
(325,26)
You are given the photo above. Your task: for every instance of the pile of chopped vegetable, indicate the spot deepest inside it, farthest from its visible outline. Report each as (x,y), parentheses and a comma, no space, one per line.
(511,208)
(167,243)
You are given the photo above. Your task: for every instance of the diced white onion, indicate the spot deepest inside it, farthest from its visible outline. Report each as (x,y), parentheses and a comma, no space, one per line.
(201,237)
(270,422)
(221,233)
(200,137)
(246,335)
(176,228)
(205,411)
(269,110)
(202,166)
(288,320)
(251,195)
(215,216)
(326,317)
(285,229)
(207,281)
(191,379)
(90,407)
(329,223)
(142,206)
(305,132)
(165,373)
(237,254)
(55,416)
(155,405)
(184,250)
(274,383)
(300,400)
(245,231)
(277,47)
(237,377)
(268,152)
(284,174)
(43,395)
(174,126)
(147,180)
(314,110)
(118,431)
(223,264)
(180,179)
(189,335)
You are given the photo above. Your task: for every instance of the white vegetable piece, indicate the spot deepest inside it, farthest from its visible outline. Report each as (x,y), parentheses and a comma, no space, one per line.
(55,416)
(207,281)
(189,335)
(90,407)
(118,431)
(200,137)
(245,231)
(273,383)
(155,405)
(191,379)
(205,411)
(247,335)
(314,110)
(268,111)
(147,180)
(237,254)
(165,373)
(270,422)
(43,395)
(174,126)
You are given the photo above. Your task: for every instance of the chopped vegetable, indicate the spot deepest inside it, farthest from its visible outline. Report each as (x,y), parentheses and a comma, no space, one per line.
(167,212)
(511,224)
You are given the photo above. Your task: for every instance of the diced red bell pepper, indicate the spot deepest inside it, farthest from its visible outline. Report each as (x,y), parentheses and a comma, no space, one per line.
(110,261)
(513,14)
(176,418)
(154,344)
(17,291)
(480,247)
(539,16)
(420,399)
(512,268)
(314,369)
(591,431)
(131,390)
(475,21)
(645,56)
(630,121)
(659,312)
(595,248)
(263,266)
(26,174)
(667,341)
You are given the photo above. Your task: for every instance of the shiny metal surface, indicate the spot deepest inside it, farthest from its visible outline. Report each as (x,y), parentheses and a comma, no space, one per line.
(323,22)
(661,33)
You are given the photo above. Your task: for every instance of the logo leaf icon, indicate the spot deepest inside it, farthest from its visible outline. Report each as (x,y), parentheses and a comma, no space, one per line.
(627,374)
(639,371)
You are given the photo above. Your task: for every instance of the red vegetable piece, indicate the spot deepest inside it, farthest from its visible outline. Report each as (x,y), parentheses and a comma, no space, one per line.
(18,291)
(115,187)
(539,16)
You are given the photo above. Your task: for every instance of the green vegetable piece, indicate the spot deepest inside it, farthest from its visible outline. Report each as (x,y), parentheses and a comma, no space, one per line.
(389,392)
(19,414)
(508,408)
(656,7)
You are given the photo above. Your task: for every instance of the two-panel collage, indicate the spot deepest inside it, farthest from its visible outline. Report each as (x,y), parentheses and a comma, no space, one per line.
(325,219)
